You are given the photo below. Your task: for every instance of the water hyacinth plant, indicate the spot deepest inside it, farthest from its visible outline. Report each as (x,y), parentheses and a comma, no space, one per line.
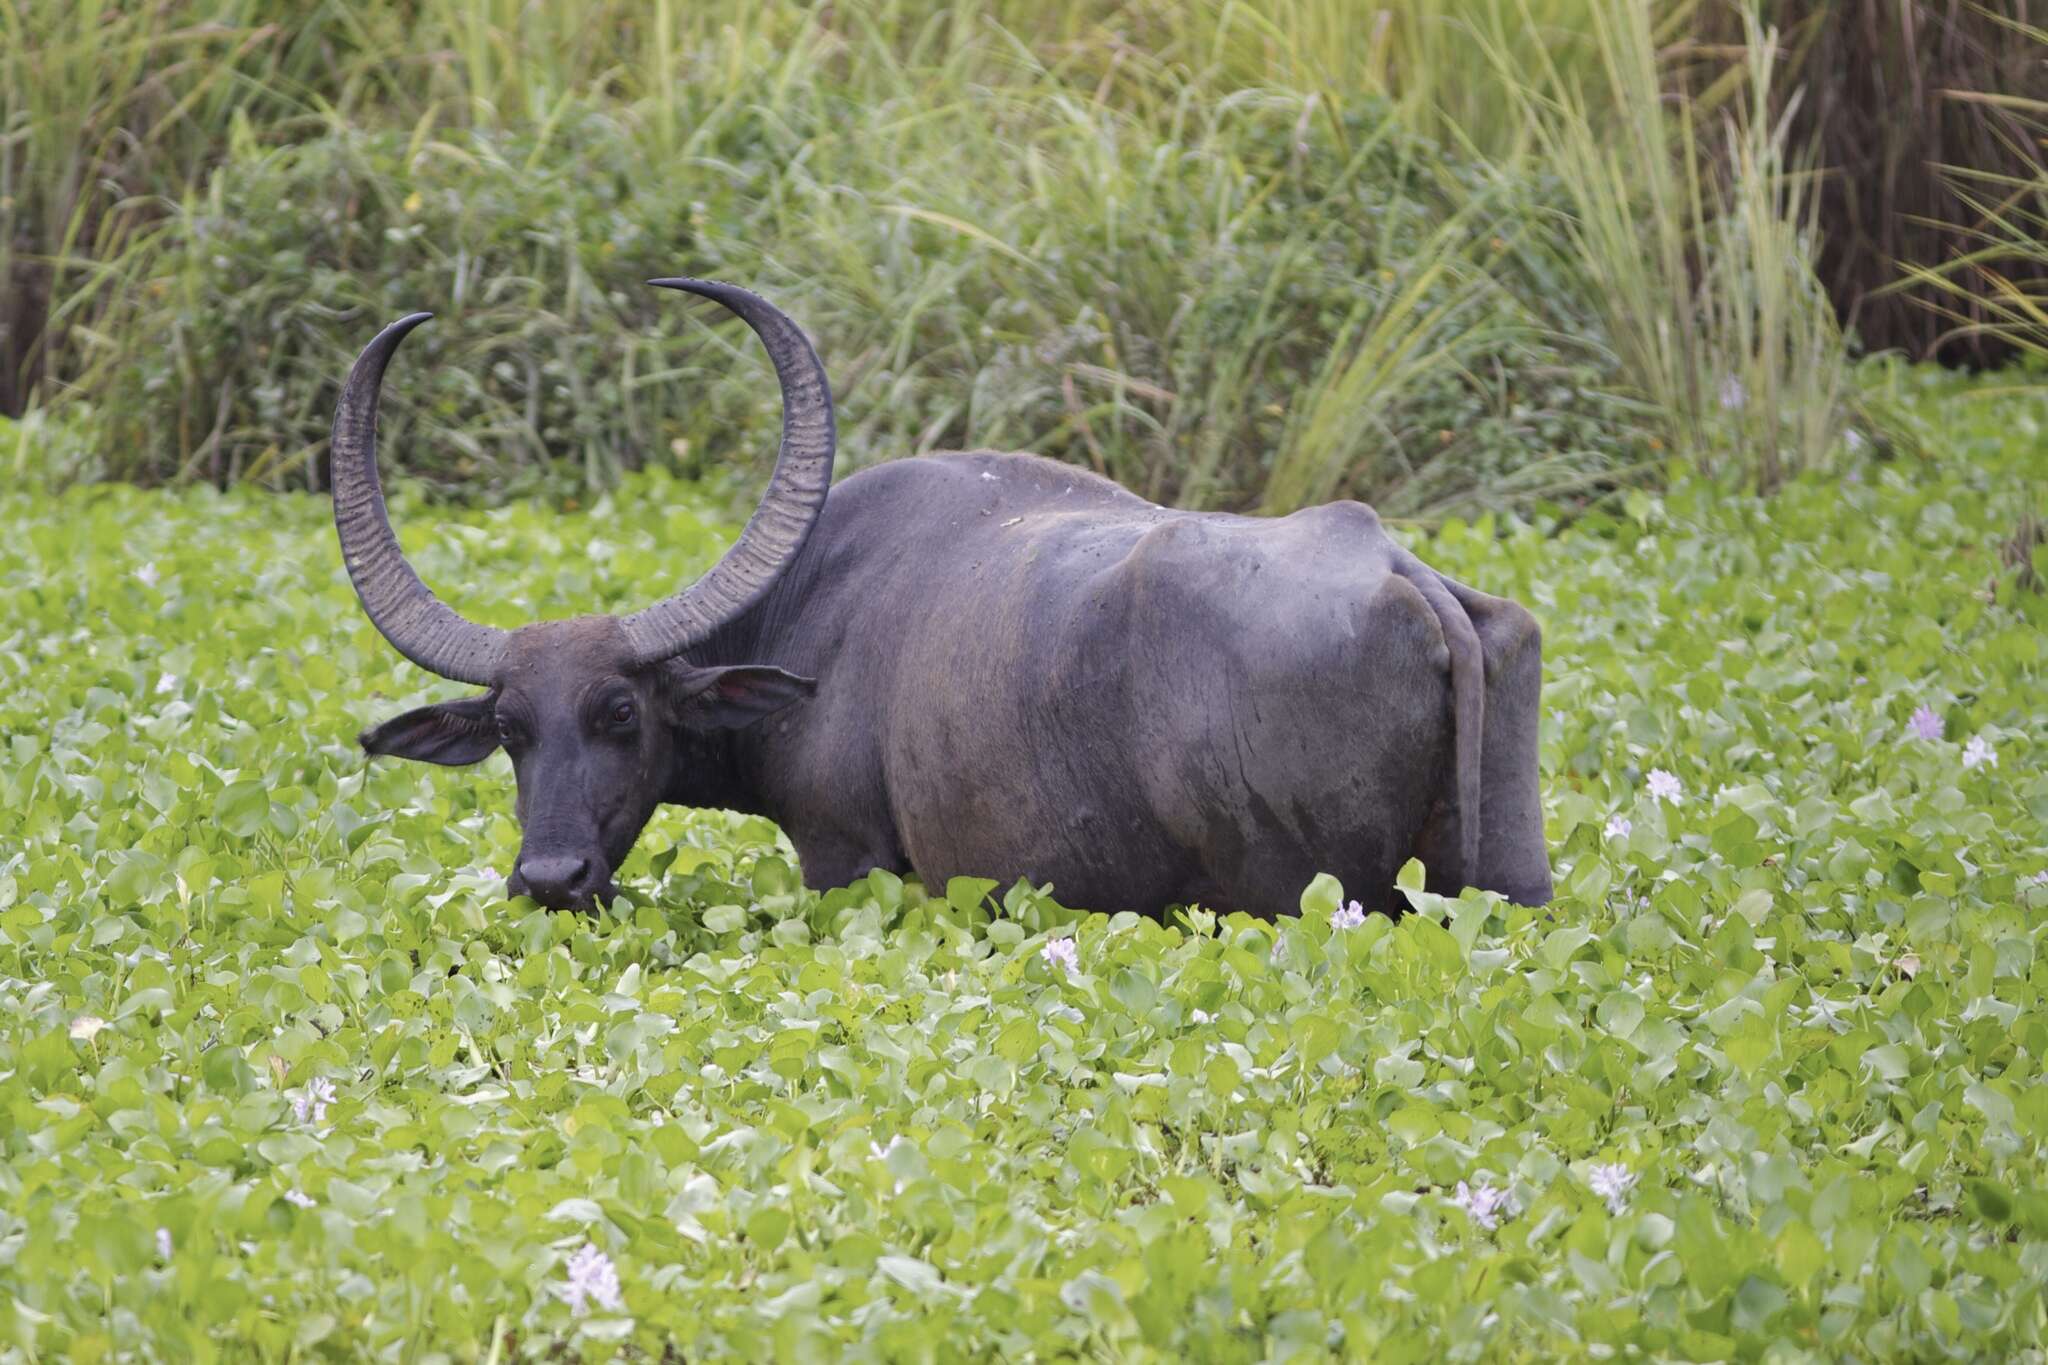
(1612,1181)
(284,1075)
(894,1119)
(591,1280)
(310,1104)
(1483,1204)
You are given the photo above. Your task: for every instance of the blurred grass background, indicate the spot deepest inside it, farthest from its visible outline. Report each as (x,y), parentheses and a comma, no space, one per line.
(1440,255)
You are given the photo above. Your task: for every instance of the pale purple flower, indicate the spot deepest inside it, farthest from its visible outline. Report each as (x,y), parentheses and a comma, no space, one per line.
(313,1099)
(147,575)
(2039,878)
(1665,787)
(298,1200)
(1483,1204)
(1733,394)
(592,1276)
(1979,751)
(1618,827)
(1347,916)
(163,1243)
(1061,952)
(1925,724)
(1612,1182)
(1203,1016)
(166,683)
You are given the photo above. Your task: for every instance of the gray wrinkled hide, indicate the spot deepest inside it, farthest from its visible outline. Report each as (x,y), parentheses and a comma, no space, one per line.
(1025,671)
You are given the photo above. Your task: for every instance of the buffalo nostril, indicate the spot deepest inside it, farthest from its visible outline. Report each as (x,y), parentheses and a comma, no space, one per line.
(554,880)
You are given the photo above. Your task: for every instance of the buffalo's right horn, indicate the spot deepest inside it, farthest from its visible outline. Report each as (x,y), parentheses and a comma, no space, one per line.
(418,624)
(789,509)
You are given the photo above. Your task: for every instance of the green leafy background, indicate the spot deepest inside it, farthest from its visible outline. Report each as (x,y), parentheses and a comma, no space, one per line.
(1802,1003)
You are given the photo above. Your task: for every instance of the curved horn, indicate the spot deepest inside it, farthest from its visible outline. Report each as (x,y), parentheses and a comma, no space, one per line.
(419,625)
(788,510)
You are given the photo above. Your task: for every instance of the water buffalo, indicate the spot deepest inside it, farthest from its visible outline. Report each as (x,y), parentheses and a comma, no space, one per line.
(998,665)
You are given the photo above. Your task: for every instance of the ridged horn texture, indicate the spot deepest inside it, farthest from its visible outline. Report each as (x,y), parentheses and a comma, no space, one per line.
(419,625)
(789,509)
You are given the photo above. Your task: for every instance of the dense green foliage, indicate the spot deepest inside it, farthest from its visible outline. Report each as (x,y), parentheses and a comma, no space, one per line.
(280,1069)
(1929,118)
(1234,254)
(1992,291)
(1280,306)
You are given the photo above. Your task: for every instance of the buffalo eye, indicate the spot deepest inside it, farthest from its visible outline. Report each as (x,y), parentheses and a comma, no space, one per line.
(622,715)
(504,729)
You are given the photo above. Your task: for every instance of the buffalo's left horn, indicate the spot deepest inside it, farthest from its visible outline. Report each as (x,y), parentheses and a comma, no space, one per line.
(796,492)
(418,624)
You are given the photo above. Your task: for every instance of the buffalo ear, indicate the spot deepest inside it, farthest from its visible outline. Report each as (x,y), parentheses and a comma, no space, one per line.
(734,698)
(451,733)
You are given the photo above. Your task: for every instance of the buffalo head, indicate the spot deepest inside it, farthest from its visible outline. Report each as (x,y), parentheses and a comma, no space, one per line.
(596,712)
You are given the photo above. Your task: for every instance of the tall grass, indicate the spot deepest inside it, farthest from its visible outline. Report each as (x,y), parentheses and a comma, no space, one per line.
(107,112)
(1232,252)
(1995,286)
(1701,265)
(1912,109)
(1338,431)
(1774,331)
